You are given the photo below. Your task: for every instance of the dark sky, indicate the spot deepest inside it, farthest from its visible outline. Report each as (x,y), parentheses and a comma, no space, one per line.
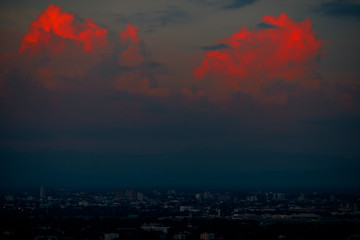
(236,94)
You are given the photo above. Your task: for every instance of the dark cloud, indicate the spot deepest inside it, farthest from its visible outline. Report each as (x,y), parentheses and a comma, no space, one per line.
(227,4)
(156,19)
(341,8)
(172,16)
(215,47)
(264,26)
(239,4)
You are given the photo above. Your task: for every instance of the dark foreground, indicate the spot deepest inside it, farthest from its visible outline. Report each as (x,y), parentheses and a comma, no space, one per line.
(186,229)
(128,214)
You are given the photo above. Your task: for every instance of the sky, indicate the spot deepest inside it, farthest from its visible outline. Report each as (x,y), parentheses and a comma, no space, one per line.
(231,94)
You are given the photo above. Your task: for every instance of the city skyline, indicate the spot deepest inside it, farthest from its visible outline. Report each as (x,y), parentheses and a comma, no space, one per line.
(178,215)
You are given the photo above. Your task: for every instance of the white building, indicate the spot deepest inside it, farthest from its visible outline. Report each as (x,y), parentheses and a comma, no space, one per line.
(111,236)
(155,227)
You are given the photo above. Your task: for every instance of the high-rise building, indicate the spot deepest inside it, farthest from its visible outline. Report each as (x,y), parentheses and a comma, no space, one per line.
(119,194)
(198,196)
(131,194)
(140,196)
(42,192)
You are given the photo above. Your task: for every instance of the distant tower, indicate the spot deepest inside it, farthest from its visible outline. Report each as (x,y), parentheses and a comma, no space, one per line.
(332,198)
(140,196)
(119,194)
(132,194)
(42,193)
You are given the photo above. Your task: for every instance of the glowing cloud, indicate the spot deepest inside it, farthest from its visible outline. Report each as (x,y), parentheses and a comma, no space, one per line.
(54,20)
(131,56)
(130,33)
(287,51)
(61,49)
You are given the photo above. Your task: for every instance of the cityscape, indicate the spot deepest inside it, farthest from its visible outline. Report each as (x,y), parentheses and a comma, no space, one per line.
(179,120)
(58,214)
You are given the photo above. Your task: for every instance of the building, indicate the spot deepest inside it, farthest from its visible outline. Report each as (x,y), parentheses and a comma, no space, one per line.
(280,196)
(252,198)
(155,227)
(139,196)
(42,192)
(111,236)
(9,198)
(207,236)
(39,237)
(186,208)
(131,194)
(180,236)
(119,194)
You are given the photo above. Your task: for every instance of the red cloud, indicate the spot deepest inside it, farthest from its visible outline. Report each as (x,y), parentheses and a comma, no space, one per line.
(61,50)
(130,33)
(63,24)
(288,50)
(131,56)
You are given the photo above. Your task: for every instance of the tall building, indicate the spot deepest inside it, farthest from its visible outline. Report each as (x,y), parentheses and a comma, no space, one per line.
(139,196)
(42,192)
(119,194)
(131,194)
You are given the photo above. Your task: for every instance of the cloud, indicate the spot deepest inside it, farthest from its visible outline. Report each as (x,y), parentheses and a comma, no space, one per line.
(54,20)
(215,47)
(150,21)
(263,25)
(239,4)
(131,56)
(72,73)
(62,51)
(227,4)
(138,83)
(257,59)
(340,8)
